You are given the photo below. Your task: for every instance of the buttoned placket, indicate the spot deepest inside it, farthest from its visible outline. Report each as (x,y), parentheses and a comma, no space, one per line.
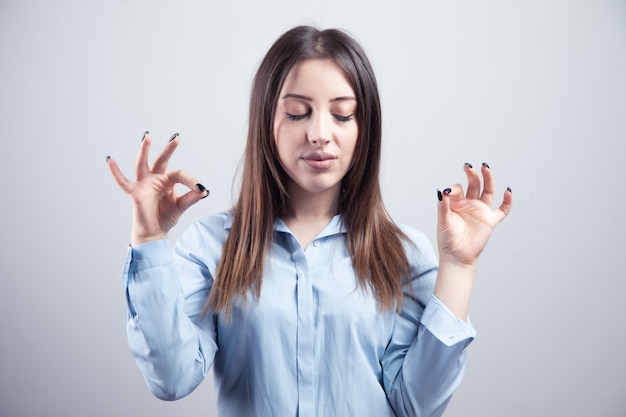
(305,330)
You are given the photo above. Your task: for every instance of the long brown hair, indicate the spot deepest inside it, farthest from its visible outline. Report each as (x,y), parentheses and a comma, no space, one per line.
(375,243)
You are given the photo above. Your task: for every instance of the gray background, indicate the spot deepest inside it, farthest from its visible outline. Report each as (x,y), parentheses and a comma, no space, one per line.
(536,88)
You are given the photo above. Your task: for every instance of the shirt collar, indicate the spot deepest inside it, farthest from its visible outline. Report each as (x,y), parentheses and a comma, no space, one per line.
(335,226)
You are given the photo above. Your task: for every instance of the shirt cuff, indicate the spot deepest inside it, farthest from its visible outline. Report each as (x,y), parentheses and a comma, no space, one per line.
(149,255)
(444,325)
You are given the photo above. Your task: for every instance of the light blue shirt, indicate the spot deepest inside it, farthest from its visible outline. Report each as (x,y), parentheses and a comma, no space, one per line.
(315,343)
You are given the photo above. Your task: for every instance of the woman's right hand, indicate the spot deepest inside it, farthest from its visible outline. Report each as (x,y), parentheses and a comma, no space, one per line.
(156,207)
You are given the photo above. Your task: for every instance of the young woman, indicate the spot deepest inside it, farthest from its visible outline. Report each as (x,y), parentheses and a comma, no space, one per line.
(306,298)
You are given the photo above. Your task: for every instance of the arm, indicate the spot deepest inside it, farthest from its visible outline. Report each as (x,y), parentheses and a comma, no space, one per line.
(425,360)
(173,347)
(172,342)
(464,225)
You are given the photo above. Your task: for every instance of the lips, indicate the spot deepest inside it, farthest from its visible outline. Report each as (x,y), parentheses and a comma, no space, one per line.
(319,160)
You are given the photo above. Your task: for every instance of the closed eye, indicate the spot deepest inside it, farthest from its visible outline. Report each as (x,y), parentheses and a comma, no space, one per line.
(343,118)
(296,117)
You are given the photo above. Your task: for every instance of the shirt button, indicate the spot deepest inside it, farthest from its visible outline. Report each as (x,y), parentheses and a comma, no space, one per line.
(316,243)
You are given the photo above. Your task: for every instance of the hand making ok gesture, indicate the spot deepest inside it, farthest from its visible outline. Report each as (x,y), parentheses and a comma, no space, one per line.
(465,222)
(156,206)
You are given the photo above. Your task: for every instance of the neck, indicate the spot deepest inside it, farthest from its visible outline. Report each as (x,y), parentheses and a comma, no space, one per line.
(306,205)
(306,214)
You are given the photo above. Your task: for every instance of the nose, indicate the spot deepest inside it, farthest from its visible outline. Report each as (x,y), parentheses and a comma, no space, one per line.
(319,130)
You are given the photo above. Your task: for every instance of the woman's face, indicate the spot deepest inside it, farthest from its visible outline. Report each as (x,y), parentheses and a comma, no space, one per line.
(315,129)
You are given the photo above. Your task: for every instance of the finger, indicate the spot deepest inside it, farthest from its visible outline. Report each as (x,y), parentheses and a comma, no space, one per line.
(443,208)
(507,203)
(119,178)
(473,181)
(192,197)
(489,186)
(141,168)
(446,198)
(160,164)
(454,192)
(198,191)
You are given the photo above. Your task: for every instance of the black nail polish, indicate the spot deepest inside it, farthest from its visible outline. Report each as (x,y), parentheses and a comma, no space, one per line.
(439,196)
(509,188)
(486,165)
(108,157)
(203,189)
(144,135)
(174,136)
(447,191)
(467,164)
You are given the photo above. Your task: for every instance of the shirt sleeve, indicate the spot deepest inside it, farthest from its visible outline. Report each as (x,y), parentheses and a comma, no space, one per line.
(172,341)
(425,360)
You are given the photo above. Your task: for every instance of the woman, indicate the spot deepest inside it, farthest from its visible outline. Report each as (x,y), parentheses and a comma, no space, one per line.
(306,298)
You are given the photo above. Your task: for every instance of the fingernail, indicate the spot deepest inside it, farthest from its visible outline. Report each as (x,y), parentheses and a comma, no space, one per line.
(144,135)
(467,164)
(202,189)
(174,136)
(486,165)
(439,196)
(108,157)
(447,191)
(509,188)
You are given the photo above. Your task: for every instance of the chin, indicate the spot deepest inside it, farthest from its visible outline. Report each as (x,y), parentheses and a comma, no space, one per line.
(317,187)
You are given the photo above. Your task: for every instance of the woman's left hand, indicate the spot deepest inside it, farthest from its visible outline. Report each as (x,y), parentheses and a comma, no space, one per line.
(465,221)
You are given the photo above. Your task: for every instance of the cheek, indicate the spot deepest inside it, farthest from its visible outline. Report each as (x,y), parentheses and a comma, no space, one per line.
(283,147)
(287,134)
(351,146)
(352,140)
(279,135)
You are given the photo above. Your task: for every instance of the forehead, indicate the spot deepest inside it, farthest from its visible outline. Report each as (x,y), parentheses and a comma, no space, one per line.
(319,76)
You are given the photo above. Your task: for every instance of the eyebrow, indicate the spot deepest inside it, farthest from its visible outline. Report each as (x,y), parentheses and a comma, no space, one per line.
(306,98)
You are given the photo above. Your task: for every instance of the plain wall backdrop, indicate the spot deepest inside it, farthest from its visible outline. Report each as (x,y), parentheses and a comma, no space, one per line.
(536,88)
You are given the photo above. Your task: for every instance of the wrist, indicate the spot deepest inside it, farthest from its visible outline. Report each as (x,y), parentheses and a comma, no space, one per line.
(136,239)
(455,282)
(460,262)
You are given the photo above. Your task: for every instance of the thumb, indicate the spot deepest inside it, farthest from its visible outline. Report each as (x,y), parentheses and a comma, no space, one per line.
(443,208)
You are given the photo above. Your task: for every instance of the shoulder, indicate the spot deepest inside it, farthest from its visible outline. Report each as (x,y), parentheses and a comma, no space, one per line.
(418,248)
(416,236)
(202,242)
(209,231)
(218,222)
